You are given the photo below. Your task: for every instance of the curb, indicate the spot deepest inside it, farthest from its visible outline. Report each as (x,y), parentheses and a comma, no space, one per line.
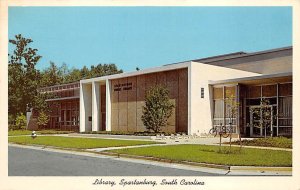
(260,168)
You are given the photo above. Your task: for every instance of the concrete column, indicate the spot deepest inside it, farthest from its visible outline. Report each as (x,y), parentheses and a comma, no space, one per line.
(108,105)
(189,99)
(82,110)
(28,117)
(95,106)
(85,107)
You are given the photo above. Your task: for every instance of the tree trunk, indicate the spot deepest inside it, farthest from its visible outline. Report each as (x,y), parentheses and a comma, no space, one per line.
(265,130)
(220,143)
(230,142)
(240,138)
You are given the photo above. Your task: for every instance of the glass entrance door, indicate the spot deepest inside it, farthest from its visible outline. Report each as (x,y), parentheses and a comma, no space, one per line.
(261,121)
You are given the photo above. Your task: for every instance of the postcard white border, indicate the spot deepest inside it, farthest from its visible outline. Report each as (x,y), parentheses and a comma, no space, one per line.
(231,183)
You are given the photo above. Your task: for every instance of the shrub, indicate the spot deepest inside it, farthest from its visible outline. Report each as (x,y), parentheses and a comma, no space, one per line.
(43,119)
(21,122)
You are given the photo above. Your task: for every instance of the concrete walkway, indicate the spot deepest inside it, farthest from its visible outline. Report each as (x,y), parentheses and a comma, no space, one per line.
(215,141)
(168,141)
(107,136)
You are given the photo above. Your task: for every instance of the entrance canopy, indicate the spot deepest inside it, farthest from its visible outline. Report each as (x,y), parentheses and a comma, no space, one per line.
(262,79)
(250,92)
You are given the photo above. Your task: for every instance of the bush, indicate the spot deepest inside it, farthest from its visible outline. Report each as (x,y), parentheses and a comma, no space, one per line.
(21,122)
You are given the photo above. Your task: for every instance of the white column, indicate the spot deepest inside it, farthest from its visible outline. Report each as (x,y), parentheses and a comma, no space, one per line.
(95,106)
(108,105)
(82,110)
(85,107)
(189,99)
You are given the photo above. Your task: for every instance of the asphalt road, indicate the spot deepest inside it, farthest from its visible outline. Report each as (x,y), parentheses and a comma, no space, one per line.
(29,162)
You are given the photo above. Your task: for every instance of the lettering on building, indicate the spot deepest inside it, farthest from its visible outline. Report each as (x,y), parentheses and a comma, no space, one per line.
(123,86)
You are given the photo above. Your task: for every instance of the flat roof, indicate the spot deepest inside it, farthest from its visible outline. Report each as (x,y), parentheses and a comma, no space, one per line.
(239,55)
(140,72)
(235,55)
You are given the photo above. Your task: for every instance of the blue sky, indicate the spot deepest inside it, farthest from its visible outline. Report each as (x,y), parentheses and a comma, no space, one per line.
(146,37)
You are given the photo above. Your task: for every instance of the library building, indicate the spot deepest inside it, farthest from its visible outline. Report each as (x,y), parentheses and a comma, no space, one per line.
(199,89)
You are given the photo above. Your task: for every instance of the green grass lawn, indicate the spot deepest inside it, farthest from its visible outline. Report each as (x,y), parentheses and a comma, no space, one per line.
(279,142)
(28,132)
(209,154)
(74,142)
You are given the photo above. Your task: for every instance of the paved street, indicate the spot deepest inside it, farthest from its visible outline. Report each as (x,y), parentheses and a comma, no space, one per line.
(30,162)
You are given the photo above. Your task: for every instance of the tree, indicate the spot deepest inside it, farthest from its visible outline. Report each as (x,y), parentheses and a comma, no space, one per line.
(51,76)
(266,115)
(60,75)
(43,119)
(73,76)
(23,78)
(40,104)
(158,108)
(85,72)
(232,107)
(64,70)
(21,121)
(42,107)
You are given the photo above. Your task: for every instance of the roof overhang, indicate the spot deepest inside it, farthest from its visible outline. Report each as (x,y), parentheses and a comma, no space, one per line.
(135,73)
(261,79)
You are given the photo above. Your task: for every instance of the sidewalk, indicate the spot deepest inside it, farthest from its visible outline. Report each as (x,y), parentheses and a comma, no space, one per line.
(107,136)
(168,141)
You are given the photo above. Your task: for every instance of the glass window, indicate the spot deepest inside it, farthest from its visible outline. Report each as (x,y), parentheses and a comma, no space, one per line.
(269,90)
(218,108)
(285,89)
(253,102)
(253,91)
(218,93)
(230,91)
(285,107)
